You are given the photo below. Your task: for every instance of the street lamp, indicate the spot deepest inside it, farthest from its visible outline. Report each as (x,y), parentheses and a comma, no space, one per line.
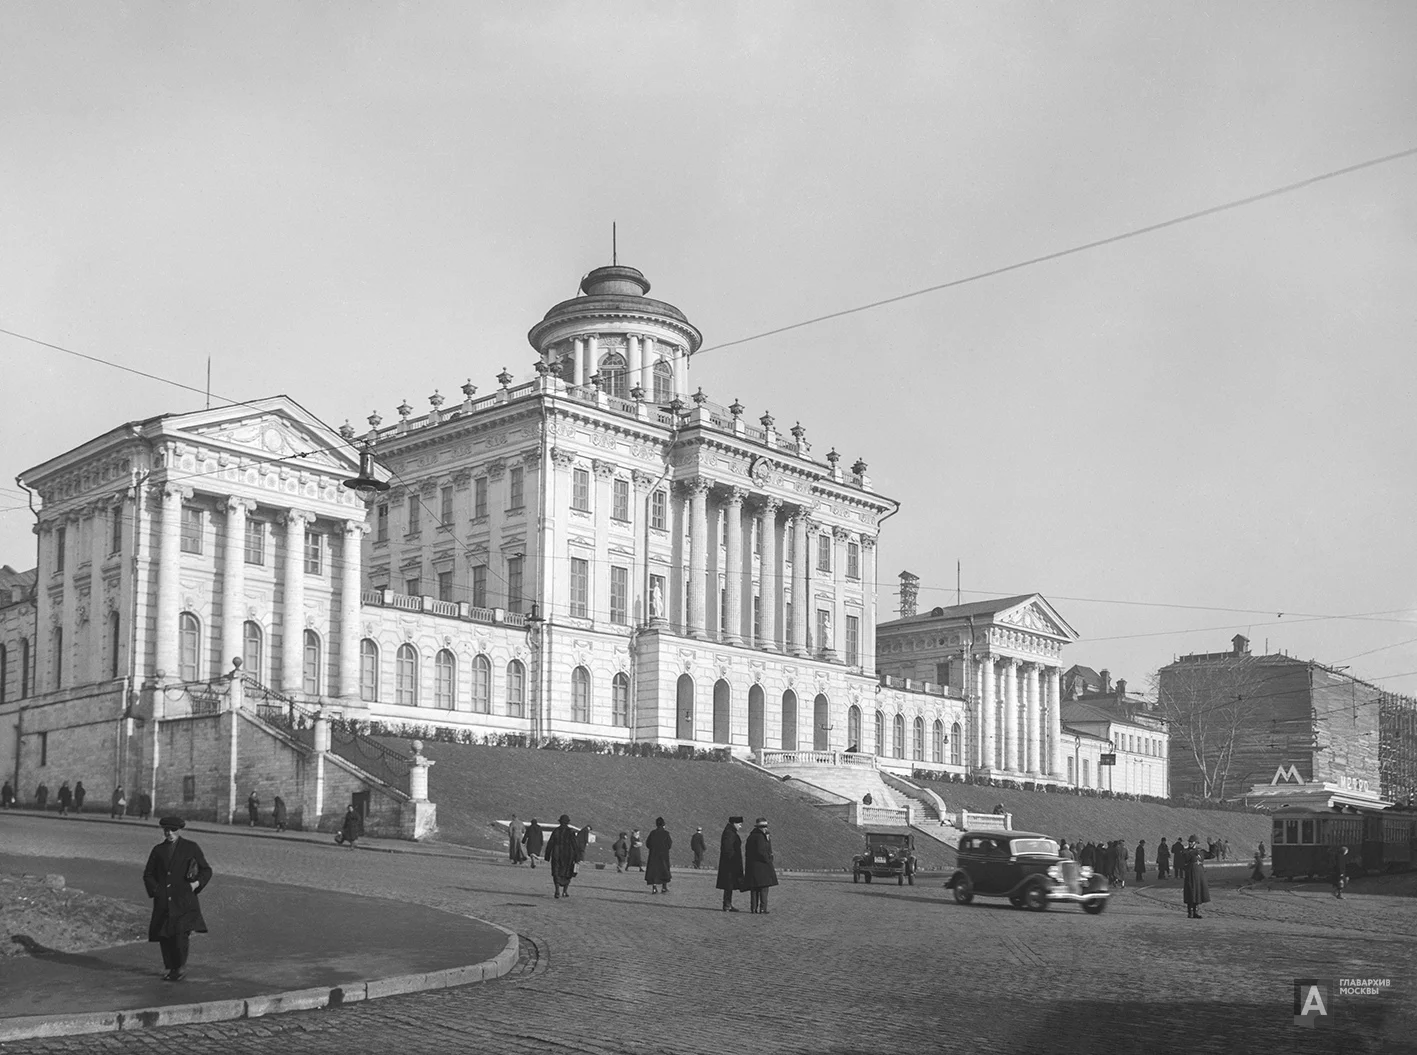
(366,482)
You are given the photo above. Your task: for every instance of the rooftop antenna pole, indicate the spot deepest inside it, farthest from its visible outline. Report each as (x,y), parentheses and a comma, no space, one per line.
(614,245)
(957,590)
(209,382)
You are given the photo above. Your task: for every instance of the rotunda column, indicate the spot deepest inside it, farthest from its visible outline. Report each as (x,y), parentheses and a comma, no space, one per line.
(578,362)
(698,553)
(647,354)
(733,565)
(592,355)
(633,362)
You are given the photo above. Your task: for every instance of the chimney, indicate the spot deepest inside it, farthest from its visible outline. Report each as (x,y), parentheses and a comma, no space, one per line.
(1121,688)
(1241,645)
(1106,686)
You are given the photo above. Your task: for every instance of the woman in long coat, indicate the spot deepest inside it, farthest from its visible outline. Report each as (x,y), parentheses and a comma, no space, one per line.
(533,841)
(563,853)
(658,844)
(730,862)
(1163,859)
(1196,891)
(278,814)
(516,835)
(636,858)
(758,872)
(1140,860)
(176,873)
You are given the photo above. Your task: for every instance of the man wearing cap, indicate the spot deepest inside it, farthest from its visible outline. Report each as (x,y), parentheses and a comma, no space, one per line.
(730,862)
(699,847)
(563,854)
(176,873)
(758,872)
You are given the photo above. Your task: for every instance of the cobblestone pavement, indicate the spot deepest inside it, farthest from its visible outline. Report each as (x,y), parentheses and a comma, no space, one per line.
(838,968)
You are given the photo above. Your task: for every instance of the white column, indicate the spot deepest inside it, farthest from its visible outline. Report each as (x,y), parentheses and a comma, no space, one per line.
(1055,721)
(1034,760)
(647,366)
(233,582)
(797,636)
(169,571)
(350,589)
(592,355)
(988,746)
(698,553)
(73,628)
(99,660)
(681,370)
(769,585)
(578,362)
(1010,715)
(292,650)
(633,362)
(733,564)
(868,591)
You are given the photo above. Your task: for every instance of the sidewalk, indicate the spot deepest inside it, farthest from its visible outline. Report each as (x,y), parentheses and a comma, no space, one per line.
(272,947)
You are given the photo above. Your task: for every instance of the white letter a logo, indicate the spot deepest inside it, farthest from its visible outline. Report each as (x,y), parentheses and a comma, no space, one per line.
(1313,1002)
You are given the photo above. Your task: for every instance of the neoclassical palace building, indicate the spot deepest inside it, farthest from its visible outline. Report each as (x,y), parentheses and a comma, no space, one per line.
(597,552)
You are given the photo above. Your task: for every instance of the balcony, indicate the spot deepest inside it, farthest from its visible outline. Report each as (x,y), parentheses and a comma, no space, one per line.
(460,610)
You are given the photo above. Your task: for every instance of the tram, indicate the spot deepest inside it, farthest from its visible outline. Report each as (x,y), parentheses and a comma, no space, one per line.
(1305,841)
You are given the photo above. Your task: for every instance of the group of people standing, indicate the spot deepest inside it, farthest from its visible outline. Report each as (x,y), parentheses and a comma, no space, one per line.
(278,816)
(1110,859)
(751,870)
(68,799)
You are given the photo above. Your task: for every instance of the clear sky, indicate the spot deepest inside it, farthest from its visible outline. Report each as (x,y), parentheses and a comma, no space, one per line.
(354,204)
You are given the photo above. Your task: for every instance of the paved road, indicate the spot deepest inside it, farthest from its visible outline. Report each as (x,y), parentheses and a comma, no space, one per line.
(837,967)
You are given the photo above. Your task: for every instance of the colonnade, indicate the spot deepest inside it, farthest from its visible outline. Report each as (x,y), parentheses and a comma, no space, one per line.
(1001,746)
(643,353)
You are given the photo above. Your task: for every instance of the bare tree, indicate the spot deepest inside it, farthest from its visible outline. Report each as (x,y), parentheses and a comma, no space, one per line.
(1211,714)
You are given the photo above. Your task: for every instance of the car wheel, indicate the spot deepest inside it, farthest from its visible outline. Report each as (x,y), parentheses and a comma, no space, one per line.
(964,890)
(1035,899)
(1095,906)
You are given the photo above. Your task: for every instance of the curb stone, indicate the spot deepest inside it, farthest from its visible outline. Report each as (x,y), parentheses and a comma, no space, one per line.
(31,1027)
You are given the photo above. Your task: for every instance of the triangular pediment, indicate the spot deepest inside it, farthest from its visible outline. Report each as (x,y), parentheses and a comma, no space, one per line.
(1039,616)
(274,430)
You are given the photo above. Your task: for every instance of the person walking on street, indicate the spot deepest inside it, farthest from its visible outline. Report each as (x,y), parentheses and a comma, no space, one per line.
(120,803)
(516,835)
(79,794)
(730,862)
(533,840)
(7,796)
(658,844)
(175,874)
(253,810)
(1258,874)
(1340,871)
(1139,861)
(1177,850)
(1196,891)
(278,813)
(145,805)
(41,795)
(758,872)
(1163,860)
(636,855)
(583,840)
(621,849)
(563,854)
(66,796)
(352,828)
(698,847)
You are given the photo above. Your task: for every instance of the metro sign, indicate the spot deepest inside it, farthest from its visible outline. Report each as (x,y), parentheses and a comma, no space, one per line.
(1286,776)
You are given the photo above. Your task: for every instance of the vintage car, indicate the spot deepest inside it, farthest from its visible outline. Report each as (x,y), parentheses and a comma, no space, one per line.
(1025,868)
(890,854)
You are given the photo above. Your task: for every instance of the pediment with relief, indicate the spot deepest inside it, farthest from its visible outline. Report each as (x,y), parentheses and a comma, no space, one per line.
(273,436)
(1031,616)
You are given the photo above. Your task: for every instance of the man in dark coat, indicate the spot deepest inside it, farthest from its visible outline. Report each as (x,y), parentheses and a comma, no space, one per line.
(120,803)
(253,811)
(7,795)
(730,862)
(583,840)
(1163,860)
(66,797)
(1139,862)
(698,847)
(79,793)
(278,813)
(1177,849)
(176,873)
(758,872)
(1196,891)
(352,828)
(563,854)
(533,841)
(1340,871)
(41,795)
(145,805)
(658,843)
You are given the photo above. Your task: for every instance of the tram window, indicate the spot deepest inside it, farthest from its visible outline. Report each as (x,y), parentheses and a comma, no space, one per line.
(1291,831)
(1308,832)
(1278,836)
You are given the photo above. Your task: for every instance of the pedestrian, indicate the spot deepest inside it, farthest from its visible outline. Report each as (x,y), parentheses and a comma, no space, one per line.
(533,840)
(698,847)
(7,796)
(1340,871)
(1258,874)
(253,810)
(66,796)
(1177,849)
(658,844)
(41,795)
(79,794)
(636,856)
(1065,852)
(621,849)
(119,804)
(1261,849)
(1123,857)
(563,854)
(730,862)
(278,813)
(1139,861)
(758,872)
(999,810)
(1225,849)
(176,873)
(1196,891)
(145,805)
(352,828)
(516,836)
(1163,860)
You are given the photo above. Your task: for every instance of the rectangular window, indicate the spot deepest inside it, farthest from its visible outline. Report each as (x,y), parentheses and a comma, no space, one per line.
(659,511)
(620,508)
(191,530)
(620,701)
(853,560)
(255,542)
(620,595)
(853,641)
(514,584)
(479,497)
(580,587)
(115,542)
(446,517)
(413,587)
(44,749)
(942,674)
(60,539)
(368,671)
(757,618)
(189,789)
(824,553)
(445,586)
(580,490)
(314,553)
(381,522)
(415,525)
(1084,772)
(516,477)
(1071,779)
(479,585)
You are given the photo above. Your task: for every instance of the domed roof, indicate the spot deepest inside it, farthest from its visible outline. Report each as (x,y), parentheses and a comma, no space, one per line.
(610,291)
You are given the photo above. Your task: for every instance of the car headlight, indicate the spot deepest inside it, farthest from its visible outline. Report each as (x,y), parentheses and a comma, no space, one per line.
(1085,872)
(1055,873)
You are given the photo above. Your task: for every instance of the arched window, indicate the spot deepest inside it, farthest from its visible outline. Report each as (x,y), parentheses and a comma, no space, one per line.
(620,701)
(1084,772)
(755,717)
(937,742)
(789,720)
(880,734)
(853,728)
(917,746)
(310,669)
(252,647)
(956,748)
(59,658)
(516,689)
(369,671)
(406,676)
(24,667)
(722,694)
(821,723)
(580,695)
(445,679)
(898,747)
(481,684)
(684,707)
(189,646)
(114,629)
(663,382)
(614,378)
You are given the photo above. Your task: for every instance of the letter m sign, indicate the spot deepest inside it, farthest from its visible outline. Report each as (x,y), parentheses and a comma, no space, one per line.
(1287,776)
(1311,1001)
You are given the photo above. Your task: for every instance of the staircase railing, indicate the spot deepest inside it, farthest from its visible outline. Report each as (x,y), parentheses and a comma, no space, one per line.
(815,758)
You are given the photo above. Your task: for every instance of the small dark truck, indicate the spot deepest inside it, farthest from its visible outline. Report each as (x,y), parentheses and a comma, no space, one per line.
(890,854)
